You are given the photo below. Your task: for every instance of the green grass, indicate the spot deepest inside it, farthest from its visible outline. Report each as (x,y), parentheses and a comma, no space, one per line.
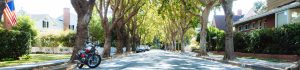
(34,58)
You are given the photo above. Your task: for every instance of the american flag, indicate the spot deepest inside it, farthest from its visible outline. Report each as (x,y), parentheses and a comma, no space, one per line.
(10,17)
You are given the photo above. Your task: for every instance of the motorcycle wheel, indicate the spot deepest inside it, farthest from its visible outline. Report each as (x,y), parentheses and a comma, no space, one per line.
(94,61)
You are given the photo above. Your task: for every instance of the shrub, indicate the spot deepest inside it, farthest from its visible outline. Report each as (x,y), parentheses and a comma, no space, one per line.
(26,24)
(63,39)
(14,43)
(68,40)
(215,39)
(282,40)
(49,40)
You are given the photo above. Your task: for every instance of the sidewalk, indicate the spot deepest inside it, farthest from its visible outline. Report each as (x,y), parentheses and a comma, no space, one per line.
(251,63)
(30,66)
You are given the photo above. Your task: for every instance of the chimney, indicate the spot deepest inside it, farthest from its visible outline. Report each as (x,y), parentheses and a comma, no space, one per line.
(66,19)
(239,12)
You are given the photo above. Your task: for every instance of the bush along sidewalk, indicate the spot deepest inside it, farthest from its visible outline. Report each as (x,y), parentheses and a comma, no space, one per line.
(13,44)
(16,42)
(281,40)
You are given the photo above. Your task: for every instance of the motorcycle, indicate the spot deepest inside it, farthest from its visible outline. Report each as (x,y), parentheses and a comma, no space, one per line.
(88,56)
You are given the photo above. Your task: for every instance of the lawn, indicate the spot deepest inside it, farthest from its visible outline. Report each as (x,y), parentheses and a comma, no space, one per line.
(34,58)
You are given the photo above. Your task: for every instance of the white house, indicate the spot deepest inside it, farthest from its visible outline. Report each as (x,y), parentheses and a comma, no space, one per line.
(69,19)
(46,24)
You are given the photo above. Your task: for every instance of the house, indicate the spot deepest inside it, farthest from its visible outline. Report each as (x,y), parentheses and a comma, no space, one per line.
(46,24)
(220,23)
(68,19)
(279,13)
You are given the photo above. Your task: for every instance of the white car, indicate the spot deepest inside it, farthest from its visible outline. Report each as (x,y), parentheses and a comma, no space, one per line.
(140,49)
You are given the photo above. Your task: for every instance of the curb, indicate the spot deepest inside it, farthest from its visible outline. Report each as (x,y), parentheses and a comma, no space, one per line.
(36,65)
(252,66)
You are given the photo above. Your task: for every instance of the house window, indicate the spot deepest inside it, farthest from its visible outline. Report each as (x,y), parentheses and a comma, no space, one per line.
(253,26)
(250,25)
(45,24)
(240,28)
(281,18)
(246,26)
(72,27)
(262,23)
(258,24)
(243,27)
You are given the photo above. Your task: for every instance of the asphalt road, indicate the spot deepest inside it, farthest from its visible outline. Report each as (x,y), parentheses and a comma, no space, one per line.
(162,60)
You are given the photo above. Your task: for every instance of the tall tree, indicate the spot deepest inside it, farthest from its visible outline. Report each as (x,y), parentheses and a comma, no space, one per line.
(229,47)
(122,12)
(201,9)
(84,11)
(125,11)
(102,8)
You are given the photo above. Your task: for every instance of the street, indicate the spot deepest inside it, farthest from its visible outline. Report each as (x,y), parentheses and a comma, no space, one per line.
(163,60)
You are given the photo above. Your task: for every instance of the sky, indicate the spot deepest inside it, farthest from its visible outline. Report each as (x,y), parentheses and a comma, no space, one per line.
(244,5)
(52,7)
(55,7)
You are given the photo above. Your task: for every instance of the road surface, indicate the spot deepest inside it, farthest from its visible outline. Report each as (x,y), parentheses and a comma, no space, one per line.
(163,60)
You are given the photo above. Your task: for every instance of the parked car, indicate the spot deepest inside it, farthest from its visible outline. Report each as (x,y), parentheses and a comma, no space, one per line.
(147,48)
(140,49)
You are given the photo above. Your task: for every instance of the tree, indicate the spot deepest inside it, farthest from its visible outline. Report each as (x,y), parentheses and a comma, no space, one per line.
(26,24)
(201,9)
(122,12)
(84,9)
(150,23)
(229,47)
(95,29)
(125,11)
(133,36)
(260,7)
(102,8)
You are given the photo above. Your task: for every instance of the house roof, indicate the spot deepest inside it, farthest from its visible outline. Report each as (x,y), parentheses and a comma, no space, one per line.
(292,5)
(42,17)
(250,13)
(221,23)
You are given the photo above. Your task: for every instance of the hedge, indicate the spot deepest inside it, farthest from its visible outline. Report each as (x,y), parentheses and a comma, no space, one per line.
(215,39)
(282,40)
(51,40)
(14,43)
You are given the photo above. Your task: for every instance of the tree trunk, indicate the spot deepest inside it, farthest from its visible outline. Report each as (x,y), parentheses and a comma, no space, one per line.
(182,41)
(107,44)
(119,41)
(84,12)
(81,36)
(174,45)
(229,47)
(134,42)
(203,33)
(129,43)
